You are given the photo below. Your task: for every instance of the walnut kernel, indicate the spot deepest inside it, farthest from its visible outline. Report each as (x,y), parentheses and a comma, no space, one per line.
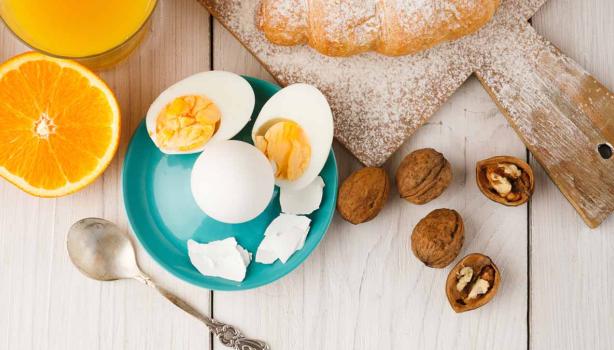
(464,277)
(473,282)
(506,180)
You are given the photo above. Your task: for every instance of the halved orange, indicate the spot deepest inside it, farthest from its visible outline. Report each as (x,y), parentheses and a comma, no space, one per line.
(59,125)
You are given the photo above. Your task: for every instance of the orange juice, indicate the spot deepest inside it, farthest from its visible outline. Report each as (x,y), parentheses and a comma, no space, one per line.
(75,28)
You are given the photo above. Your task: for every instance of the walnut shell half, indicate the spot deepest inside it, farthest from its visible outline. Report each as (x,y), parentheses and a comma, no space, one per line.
(438,237)
(363,195)
(423,175)
(506,180)
(473,282)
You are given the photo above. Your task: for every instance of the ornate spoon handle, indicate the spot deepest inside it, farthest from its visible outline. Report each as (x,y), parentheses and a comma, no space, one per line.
(227,334)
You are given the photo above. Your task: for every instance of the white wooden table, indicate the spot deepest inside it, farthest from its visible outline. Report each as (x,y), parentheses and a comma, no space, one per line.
(362,288)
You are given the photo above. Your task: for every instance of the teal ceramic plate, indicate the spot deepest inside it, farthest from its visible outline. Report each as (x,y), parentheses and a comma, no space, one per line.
(164,216)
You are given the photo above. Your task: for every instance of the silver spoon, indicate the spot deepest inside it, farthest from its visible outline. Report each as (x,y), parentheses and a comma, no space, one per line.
(100,250)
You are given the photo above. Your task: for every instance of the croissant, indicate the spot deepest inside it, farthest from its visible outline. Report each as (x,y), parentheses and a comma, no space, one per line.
(390,27)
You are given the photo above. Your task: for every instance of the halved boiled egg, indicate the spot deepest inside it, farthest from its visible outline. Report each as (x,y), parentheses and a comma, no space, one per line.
(294,130)
(206,106)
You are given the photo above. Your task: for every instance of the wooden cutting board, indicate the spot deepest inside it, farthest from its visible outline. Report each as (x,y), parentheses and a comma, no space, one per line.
(563,115)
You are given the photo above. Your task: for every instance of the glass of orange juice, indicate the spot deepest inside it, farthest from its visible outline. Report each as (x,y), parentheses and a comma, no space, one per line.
(97,33)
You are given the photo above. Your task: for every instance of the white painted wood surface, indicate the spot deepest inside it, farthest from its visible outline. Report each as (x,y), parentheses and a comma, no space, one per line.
(362,288)
(45,302)
(572,267)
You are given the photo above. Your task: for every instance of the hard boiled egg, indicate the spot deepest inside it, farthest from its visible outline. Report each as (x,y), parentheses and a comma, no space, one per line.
(204,107)
(295,131)
(232,181)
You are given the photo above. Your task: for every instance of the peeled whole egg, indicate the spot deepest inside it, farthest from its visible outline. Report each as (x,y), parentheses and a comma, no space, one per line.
(232,181)
(295,132)
(204,107)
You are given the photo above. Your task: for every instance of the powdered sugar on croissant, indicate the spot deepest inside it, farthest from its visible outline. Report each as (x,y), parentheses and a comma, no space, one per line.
(391,27)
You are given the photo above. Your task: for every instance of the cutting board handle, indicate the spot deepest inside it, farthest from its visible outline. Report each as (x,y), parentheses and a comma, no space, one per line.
(563,115)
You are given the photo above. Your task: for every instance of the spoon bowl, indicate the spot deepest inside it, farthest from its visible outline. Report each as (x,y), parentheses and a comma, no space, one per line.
(100,250)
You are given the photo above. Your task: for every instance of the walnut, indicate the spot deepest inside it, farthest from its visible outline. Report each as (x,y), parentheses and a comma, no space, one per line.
(423,175)
(438,237)
(363,194)
(506,180)
(473,282)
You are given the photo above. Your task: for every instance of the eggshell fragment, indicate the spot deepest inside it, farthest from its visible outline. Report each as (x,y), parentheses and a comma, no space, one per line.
(283,237)
(304,201)
(224,258)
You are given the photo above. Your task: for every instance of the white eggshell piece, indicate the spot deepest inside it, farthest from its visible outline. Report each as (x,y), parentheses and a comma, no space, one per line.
(304,201)
(224,258)
(307,106)
(232,181)
(231,93)
(283,237)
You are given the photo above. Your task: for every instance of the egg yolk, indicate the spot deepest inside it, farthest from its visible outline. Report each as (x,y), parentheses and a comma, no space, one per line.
(187,123)
(287,147)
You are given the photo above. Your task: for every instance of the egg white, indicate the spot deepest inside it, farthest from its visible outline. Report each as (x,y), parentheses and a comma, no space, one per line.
(305,105)
(231,93)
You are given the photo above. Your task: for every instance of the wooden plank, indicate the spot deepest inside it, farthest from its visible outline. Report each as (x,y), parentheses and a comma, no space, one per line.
(572,266)
(362,288)
(46,303)
(559,110)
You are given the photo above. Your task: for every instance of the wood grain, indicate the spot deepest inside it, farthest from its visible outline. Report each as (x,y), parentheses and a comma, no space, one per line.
(559,110)
(46,302)
(379,101)
(362,288)
(572,267)
(402,91)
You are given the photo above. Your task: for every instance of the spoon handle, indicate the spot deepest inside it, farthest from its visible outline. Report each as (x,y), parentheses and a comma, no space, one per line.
(227,334)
